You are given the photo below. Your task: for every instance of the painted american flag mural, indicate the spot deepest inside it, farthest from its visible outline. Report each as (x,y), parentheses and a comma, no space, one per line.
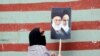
(18,17)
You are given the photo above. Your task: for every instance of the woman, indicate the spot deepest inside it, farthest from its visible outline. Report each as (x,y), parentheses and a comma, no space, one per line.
(37,43)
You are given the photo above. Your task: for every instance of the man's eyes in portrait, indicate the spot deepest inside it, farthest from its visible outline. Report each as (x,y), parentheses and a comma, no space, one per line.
(57,20)
(64,20)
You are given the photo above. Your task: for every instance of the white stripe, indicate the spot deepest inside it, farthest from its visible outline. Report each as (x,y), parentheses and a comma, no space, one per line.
(45,16)
(64,53)
(32,1)
(22,37)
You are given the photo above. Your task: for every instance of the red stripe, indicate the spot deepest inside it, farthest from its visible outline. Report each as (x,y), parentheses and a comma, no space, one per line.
(83,4)
(82,25)
(53,46)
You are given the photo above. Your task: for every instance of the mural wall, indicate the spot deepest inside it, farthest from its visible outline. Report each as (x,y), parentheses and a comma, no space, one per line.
(19,17)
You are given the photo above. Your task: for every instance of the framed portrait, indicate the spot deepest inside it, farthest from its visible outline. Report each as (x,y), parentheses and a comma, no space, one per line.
(61,23)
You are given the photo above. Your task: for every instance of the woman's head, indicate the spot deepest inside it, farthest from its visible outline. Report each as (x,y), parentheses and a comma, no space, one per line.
(36,37)
(37,31)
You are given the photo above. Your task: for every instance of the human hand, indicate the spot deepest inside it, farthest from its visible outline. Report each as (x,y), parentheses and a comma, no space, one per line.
(53,54)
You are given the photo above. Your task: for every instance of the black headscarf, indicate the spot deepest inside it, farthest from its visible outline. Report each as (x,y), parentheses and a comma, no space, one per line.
(36,38)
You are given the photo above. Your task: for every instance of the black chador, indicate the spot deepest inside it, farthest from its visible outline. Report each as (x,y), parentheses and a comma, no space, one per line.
(36,37)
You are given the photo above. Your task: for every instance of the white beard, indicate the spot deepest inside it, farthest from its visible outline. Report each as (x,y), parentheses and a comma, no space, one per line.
(65,28)
(56,27)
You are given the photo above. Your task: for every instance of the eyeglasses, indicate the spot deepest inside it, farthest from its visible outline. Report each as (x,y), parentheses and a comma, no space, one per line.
(57,20)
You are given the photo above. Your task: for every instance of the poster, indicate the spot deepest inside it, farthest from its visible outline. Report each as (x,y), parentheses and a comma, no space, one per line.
(61,23)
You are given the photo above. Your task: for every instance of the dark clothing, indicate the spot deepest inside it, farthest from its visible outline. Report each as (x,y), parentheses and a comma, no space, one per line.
(67,35)
(36,38)
(60,34)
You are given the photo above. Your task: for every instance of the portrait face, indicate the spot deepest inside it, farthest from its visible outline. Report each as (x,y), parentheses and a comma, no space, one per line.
(57,20)
(65,19)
